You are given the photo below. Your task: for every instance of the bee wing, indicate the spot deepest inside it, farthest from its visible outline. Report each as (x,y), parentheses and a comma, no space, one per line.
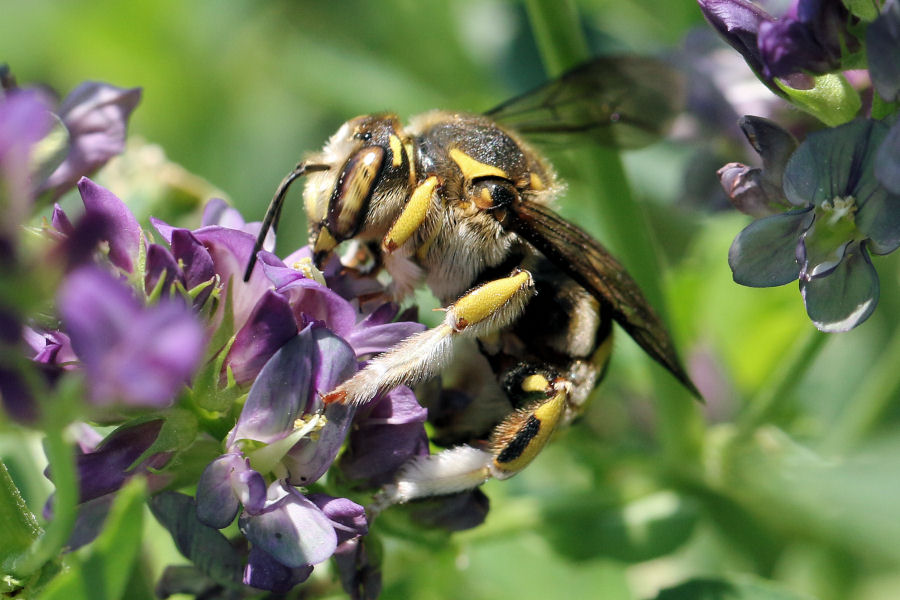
(620,101)
(590,264)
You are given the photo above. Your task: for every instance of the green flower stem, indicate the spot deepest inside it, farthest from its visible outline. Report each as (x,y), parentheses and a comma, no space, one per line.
(62,465)
(782,382)
(562,45)
(18,526)
(878,389)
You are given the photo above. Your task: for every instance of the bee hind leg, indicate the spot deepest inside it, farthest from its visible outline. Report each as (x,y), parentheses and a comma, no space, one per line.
(516,441)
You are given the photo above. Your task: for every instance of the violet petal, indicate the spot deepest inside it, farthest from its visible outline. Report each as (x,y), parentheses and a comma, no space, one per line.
(845,297)
(291,528)
(334,362)
(279,394)
(348,517)
(125,235)
(764,253)
(270,325)
(217,505)
(96,115)
(264,572)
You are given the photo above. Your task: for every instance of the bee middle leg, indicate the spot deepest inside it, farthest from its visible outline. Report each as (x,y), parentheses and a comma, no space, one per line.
(483,310)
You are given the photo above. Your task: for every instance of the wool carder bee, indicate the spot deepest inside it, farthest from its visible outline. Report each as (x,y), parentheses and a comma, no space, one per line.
(462,203)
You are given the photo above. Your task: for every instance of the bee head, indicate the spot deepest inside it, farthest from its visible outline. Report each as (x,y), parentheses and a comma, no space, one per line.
(369,165)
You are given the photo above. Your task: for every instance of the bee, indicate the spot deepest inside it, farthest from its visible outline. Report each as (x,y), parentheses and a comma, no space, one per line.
(462,203)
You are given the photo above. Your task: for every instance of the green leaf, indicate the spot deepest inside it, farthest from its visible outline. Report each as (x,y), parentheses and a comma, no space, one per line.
(647,528)
(104,571)
(206,547)
(727,589)
(177,433)
(832,100)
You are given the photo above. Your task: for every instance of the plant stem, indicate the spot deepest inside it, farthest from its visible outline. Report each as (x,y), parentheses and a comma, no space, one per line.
(877,390)
(782,382)
(18,526)
(62,466)
(562,45)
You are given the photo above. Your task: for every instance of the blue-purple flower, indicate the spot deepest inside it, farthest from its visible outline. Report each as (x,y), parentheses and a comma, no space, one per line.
(131,354)
(808,38)
(96,117)
(840,213)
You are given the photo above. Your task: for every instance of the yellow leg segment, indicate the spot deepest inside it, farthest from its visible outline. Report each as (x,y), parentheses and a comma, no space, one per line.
(524,433)
(411,217)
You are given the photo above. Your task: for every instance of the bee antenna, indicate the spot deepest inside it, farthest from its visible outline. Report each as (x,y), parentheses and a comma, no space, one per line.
(273,213)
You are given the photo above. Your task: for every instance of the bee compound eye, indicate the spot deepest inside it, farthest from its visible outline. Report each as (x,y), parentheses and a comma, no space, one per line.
(494,193)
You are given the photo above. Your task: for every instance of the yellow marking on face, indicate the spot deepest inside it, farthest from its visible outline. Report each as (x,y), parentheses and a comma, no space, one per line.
(488,298)
(396,151)
(471,168)
(412,216)
(408,148)
(535,383)
(537,183)
(325,242)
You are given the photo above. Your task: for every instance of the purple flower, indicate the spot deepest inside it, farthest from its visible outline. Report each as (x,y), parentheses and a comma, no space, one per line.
(131,354)
(758,191)
(96,116)
(840,213)
(273,440)
(882,47)
(24,119)
(808,38)
(385,435)
(104,467)
(738,22)
(218,212)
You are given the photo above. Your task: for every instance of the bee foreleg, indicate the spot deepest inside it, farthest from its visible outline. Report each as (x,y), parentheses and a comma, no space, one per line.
(484,309)
(411,217)
(516,441)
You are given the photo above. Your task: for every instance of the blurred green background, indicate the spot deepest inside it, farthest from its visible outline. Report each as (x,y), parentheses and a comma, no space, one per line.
(790,471)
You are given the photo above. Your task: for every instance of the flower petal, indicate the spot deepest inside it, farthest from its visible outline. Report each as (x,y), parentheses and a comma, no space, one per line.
(270,325)
(882,41)
(96,115)
(377,332)
(453,512)
(334,362)
(845,297)
(131,354)
(887,160)
(390,433)
(738,22)
(265,573)
(764,253)
(348,517)
(107,468)
(217,505)
(280,393)
(291,528)
(161,263)
(833,163)
(125,235)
